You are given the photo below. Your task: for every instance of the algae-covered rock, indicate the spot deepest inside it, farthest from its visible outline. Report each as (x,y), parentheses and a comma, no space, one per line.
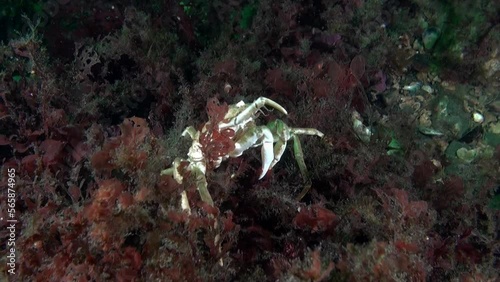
(495,203)
(450,117)
(458,152)
(429,37)
(453,147)
(467,155)
(492,134)
(492,139)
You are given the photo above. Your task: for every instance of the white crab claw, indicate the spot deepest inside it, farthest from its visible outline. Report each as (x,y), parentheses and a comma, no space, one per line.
(267,151)
(262,101)
(248,113)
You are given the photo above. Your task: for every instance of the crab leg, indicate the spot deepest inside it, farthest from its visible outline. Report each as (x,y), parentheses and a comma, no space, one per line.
(280,146)
(283,133)
(202,185)
(299,158)
(191,132)
(251,110)
(307,131)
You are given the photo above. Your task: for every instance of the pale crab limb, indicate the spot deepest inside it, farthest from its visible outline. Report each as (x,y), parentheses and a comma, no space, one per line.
(185,202)
(307,131)
(260,135)
(202,186)
(283,133)
(191,132)
(168,171)
(280,146)
(173,171)
(249,139)
(200,181)
(279,150)
(249,112)
(299,158)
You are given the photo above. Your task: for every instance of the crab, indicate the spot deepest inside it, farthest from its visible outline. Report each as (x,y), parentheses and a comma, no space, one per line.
(230,131)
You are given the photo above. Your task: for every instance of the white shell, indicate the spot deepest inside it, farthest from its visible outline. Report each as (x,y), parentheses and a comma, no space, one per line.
(414,86)
(428,89)
(477,117)
(364,132)
(227,87)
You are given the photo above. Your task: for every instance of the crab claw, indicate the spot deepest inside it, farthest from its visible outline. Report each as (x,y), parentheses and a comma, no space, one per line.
(249,111)
(260,135)
(262,101)
(266,152)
